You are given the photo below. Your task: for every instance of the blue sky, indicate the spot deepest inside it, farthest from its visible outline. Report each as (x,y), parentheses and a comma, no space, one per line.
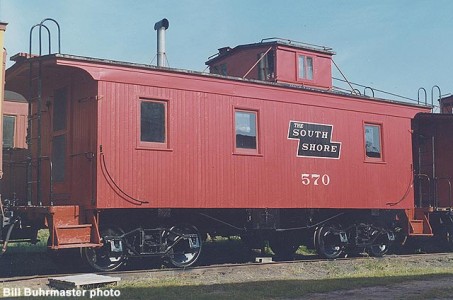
(397,46)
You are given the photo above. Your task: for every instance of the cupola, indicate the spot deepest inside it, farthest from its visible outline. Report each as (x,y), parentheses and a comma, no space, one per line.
(276,60)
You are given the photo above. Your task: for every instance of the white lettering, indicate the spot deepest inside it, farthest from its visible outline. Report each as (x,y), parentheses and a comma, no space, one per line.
(305,179)
(104,293)
(319,147)
(313,179)
(316,178)
(325,179)
(295,132)
(318,133)
(27,292)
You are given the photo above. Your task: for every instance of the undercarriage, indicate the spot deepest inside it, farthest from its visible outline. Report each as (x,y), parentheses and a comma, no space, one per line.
(108,238)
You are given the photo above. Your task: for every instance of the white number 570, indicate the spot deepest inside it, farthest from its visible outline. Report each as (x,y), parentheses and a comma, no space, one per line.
(315,179)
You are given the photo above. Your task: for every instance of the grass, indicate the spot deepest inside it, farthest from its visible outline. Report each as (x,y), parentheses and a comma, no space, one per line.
(296,283)
(272,289)
(344,275)
(335,276)
(40,246)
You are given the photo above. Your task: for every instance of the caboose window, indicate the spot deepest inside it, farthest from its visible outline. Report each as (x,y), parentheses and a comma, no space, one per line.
(153,121)
(8,131)
(246,130)
(58,158)
(305,67)
(373,145)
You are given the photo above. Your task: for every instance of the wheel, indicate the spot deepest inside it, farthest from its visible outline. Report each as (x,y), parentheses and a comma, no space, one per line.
(328,242)
(187,245)
(381,246)
(110,256)
(284,246)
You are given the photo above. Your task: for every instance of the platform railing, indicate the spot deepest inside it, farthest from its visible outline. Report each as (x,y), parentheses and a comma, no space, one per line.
(420,178)
(436,185)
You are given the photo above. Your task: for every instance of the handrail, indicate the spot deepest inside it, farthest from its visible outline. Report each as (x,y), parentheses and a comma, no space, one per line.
(41,25)
(368,88)
(296,43)
(418,95)
(356,91)
(429,187)
(38,96)
(432,93)
(59,33)
(31,38)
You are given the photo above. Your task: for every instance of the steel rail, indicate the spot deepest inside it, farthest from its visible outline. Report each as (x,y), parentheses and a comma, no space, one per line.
(310,260)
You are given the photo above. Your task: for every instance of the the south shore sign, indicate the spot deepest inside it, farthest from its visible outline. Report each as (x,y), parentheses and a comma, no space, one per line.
(315,140)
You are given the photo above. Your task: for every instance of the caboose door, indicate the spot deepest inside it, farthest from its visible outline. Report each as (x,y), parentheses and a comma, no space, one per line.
(433,162)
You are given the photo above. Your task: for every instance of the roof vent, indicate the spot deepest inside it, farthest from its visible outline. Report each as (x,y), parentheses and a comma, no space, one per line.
(161,27)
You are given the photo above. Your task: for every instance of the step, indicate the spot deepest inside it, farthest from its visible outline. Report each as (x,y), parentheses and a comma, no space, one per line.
(74,226)
(422,234)
(73,234)
(80,245)
(416,226)
(65,215)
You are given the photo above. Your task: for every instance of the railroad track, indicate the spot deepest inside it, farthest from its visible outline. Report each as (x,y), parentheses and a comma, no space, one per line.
(231,267)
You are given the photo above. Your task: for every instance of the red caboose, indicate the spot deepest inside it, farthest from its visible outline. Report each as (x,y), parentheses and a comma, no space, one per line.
(137,160)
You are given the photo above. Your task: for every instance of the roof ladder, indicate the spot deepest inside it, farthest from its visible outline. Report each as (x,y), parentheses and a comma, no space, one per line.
(35,94)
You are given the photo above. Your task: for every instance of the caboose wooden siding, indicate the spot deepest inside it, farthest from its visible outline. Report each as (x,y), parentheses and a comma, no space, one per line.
(199,166)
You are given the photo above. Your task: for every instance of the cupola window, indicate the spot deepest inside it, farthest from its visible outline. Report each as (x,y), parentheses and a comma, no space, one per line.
(305,67)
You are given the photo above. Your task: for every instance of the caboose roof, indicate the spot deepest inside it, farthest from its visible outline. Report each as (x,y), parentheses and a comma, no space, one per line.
(100,69)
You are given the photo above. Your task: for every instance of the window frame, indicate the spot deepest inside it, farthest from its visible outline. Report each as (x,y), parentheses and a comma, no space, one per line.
(305,70)
(165,146)
(367,158)
(247,151)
